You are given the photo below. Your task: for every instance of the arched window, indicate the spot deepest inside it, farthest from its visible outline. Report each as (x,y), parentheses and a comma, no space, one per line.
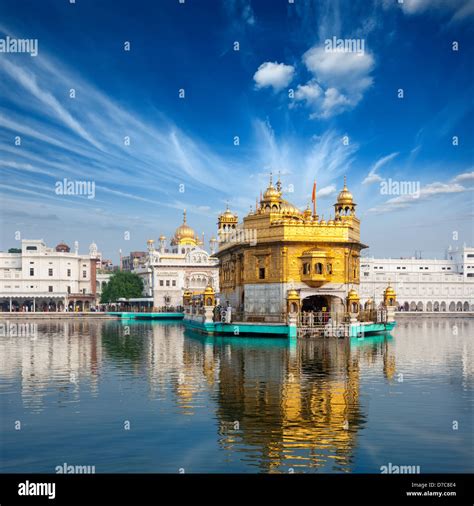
(329,268)
(319,268)
(306,268)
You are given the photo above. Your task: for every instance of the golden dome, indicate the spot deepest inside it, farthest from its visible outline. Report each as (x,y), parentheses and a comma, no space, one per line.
(345,196)
(353,295)
(184,233)
(293,294)
(228,214)
(271,194)
(389,291)
(209,290)
(288,208)
(162,237)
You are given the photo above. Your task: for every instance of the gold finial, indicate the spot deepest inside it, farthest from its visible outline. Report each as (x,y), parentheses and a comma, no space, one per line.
(345,182)
(278,184)
(271,179)
(184,215)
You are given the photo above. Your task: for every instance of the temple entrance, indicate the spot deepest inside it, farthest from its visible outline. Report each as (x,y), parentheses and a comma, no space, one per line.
(316,303)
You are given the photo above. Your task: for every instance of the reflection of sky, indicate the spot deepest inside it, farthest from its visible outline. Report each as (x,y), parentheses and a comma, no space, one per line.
(182,394)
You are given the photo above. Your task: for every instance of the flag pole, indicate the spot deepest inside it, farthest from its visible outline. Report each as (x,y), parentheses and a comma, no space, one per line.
(314,199)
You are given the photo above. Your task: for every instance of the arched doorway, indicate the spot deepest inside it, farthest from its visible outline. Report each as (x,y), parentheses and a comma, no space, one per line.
(466,306)
(412,306)
(436,306)
(429,306)
(443,306)
(419,306)
(452,306)
(459,306)
(316,303)
(406,306)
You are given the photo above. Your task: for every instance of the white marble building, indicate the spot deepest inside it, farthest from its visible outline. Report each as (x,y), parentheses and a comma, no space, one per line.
(168,272)
(422,284)
(40,278)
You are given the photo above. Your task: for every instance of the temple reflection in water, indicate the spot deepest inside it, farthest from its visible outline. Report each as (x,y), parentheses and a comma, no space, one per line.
(274,405)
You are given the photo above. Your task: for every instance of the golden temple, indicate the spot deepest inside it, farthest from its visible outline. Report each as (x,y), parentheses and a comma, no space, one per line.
(281,259)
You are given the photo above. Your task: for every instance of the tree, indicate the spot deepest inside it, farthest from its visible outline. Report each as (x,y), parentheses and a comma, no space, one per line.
(122,284)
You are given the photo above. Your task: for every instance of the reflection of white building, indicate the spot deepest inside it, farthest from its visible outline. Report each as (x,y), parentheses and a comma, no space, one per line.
(422,284)
(65,355)
(166,274)
(40,278)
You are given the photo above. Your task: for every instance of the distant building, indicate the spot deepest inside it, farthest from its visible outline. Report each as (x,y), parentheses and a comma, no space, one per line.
(133,260)
(167,274)
(49,279)
(422,284)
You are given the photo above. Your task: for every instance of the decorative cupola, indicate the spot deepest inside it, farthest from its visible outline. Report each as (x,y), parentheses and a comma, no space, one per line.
(227,221)
(62,247)
(345,205)
(353,301)
(209,296)
(271,199)
(184,234)
(389,296)
(293,301)
(187,295)
(162,240)
(149,245)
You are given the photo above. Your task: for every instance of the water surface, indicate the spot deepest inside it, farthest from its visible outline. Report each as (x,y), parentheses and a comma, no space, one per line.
(154,397)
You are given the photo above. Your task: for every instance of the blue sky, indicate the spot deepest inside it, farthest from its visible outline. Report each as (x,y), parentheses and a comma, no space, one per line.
(294,106)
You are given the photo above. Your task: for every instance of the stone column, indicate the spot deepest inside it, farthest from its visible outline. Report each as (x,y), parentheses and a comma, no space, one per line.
(208,314)
(10,304)
(390,314)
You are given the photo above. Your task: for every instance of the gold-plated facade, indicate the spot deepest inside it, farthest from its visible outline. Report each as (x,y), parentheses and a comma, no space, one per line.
(277,247)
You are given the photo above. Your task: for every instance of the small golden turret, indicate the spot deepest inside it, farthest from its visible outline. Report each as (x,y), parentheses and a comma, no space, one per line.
(389,296)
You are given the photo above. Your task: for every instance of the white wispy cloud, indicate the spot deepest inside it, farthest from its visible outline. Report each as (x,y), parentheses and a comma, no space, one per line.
(326,159)
(327,191)
(457,10)
(426,192)
(339,80)
(465,176)
(273,74)
(372,176)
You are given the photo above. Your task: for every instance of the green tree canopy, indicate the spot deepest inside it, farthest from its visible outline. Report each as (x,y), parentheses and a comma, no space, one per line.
(122,284)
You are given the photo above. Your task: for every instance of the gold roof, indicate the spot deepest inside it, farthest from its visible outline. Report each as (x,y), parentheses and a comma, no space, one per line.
(271,193)
(292,294)
(228,216)
(184,233)
(353,295)
(389,290)
(345,196)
